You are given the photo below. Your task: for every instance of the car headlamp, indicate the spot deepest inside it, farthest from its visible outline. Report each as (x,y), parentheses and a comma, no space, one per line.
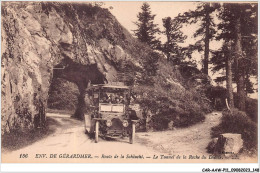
(109,123)
(125,123)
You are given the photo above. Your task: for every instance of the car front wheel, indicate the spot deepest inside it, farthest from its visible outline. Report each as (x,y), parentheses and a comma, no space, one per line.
(96,131)
(132,135)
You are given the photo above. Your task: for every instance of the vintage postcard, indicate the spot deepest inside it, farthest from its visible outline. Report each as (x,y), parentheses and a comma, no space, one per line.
(129,82)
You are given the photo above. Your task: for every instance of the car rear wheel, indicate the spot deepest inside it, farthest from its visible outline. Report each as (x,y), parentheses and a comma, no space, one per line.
(96,131)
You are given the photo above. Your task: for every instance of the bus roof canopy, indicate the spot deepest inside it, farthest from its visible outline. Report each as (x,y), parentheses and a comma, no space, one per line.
(110,86)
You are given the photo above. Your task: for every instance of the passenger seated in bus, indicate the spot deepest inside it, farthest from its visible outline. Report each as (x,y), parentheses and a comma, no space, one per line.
(104,99)
(132,114)
(116,101)
(121,100)
(109,99)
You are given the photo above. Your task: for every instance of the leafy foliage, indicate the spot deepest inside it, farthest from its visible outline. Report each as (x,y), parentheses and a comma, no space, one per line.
(219,92)
(238,122)
(202,16)
(168,100)
(150,64)
(252,109)
(228,14)
(174,36)
(63,95)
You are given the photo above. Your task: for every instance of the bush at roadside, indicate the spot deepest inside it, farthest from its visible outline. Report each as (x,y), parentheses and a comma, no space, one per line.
(238,122)
(169,102)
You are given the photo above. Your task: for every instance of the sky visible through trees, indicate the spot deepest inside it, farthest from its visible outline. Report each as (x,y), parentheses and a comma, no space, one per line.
(126,13)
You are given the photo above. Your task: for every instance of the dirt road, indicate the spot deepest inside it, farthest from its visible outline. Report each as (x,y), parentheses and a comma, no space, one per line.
(69,143)
(183,141)
(70,140)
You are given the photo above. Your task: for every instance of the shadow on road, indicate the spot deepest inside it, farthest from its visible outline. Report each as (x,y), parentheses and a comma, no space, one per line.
(18,140)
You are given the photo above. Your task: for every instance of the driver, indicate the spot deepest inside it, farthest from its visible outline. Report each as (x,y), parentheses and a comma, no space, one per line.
(132,114)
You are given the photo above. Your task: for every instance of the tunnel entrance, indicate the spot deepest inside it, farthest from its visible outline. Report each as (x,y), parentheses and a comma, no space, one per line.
(69,84)
(63,96)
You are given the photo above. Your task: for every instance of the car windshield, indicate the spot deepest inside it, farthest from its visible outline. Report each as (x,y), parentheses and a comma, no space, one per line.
(104,107)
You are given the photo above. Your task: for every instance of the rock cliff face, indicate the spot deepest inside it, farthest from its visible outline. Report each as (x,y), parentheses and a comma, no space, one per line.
(39,38)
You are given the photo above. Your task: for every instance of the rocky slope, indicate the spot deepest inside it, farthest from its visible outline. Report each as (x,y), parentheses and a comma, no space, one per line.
(83,43)
(38,38)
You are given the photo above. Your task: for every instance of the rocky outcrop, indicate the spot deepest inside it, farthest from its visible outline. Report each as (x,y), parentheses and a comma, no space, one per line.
(227,144)
(38,37)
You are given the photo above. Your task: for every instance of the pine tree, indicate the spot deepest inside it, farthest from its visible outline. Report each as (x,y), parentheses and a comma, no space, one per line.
(229,75)
(174,36)
(239,26)
(146,29)
(203,16)
(224,60)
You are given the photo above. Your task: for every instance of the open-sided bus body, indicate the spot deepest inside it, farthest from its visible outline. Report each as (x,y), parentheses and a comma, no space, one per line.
(110,115)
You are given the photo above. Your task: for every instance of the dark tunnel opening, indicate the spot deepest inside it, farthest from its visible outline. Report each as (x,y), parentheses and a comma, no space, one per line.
(63,96)
(68,88)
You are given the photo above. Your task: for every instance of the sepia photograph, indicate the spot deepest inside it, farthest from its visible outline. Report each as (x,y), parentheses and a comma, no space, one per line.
(129,82)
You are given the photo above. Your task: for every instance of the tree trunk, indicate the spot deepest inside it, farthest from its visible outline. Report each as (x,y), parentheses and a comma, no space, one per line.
(241,88)
(229,77)
(167,45)
(206,51)
(240,69)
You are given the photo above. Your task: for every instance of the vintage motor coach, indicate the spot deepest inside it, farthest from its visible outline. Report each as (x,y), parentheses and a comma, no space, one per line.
(110,113)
